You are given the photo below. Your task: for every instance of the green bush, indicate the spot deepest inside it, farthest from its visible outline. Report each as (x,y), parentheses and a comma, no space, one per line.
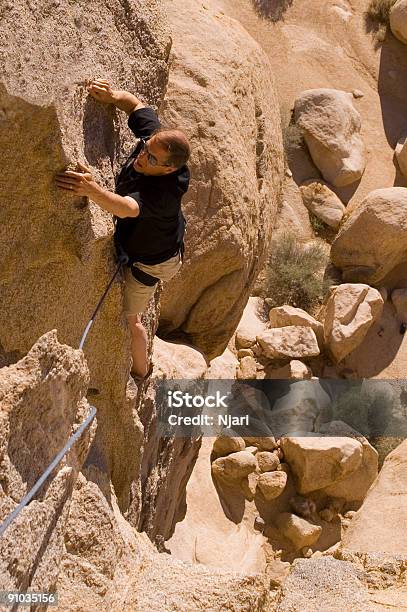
(295,273)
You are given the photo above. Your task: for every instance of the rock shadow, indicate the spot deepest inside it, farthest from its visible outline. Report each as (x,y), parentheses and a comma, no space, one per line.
(101,140)
(231,499)
(392,93)
(273,10)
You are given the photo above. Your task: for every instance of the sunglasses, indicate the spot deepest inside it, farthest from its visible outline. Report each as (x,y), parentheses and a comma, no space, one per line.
(152,160)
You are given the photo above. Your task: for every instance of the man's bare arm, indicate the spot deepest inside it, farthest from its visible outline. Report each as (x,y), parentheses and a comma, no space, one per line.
(81,183)
(123,100)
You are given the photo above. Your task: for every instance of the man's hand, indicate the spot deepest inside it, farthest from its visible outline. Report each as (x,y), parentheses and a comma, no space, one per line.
(124,100)
(79,183)
(101,91)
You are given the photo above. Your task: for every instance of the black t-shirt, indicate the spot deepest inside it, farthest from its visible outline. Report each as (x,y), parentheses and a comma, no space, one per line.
(157,232)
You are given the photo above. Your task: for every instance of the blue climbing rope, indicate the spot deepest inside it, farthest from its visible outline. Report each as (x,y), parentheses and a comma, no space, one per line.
(27,498)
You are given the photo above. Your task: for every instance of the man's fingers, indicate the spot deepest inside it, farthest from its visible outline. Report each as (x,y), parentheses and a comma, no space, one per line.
(72,173)
(82,167)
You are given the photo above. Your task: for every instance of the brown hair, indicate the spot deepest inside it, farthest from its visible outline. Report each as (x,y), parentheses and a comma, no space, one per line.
(177,145)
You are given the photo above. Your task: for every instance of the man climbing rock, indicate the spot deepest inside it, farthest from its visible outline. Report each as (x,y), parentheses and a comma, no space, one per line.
(146,204)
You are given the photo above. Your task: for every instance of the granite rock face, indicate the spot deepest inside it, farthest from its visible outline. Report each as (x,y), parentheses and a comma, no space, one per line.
(57,251)
(222,93)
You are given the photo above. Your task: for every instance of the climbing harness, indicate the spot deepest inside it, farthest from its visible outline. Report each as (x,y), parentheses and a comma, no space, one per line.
(123,259)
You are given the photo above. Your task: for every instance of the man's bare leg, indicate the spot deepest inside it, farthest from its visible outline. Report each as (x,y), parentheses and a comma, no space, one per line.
(138,345)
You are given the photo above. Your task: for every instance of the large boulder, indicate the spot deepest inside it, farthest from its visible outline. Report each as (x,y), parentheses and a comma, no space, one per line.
(223,94)
(290,342)
(354,486)
(398,20)
(350,311)
(319,460)
(282,316)
(322,202)
(373,240)
(380,526)
(331,127)
(57,250)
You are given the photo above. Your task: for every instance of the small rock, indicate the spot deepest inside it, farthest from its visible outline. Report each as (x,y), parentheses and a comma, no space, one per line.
(322,202)
(357,93)
(235,466)
(244,353)
(247,369)
(248,486)
(299,531)
(263,444)
(267,462)
(288,173)
(272,484)
(306,552)
(292,342)
(349,514)
(224,445)
(295,370)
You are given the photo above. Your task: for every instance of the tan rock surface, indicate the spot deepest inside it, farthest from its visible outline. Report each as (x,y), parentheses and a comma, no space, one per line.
(295,370)
(401,154)
(380,526)
(223,94)
(224,366)
(322,202)
(247,368)
(250,325)
(41,399)
(267,461)
(299,531)
(398,20)
(272,484)
(48,122)
(382,221)
(318,461)
(234,466)
(290,342)
(224,445)
(355,486)
(350,311)
(324,584)
(331,126)
(288,315)
(399,299)
(178,361)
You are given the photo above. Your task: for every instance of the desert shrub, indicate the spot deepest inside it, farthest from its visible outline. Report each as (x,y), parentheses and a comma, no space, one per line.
(378,11)
(377,18)
(271,9)
(295,273)
(293,140)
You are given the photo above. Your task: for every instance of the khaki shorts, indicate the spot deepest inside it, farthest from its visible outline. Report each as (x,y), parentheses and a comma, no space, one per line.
(137,295)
